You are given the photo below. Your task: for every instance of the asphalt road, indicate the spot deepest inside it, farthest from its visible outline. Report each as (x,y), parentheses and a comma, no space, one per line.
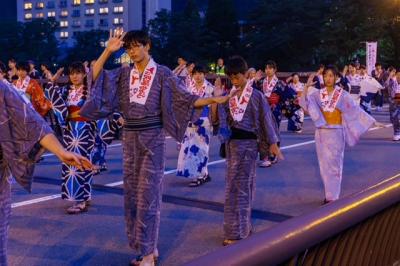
(191,218)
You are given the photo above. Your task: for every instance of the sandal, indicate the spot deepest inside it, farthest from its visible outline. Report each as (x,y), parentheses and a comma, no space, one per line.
(77,208)
(96,170)
(228,242)
(103,168)
(200,181)
(136,261)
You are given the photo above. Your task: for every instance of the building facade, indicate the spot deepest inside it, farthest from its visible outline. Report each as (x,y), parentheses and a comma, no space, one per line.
(84,15)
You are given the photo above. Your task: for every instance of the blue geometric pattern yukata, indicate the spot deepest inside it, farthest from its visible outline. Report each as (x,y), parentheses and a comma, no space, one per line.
(79,137)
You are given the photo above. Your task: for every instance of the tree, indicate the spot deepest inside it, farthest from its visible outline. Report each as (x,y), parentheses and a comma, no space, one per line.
(223,28)
(286,31)
(88,45)
(32,40)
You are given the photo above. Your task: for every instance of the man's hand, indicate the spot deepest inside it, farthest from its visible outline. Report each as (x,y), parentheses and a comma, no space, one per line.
(115,41)
(221,99)
(57,75)
(76,160)
(274,149)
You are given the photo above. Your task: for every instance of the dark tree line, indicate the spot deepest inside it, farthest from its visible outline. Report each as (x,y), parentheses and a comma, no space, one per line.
(298,34)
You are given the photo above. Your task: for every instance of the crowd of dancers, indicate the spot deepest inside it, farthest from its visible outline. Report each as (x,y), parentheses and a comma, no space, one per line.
(146,101)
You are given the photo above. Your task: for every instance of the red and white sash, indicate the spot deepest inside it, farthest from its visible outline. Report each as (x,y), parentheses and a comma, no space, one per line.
(139,88)
(189,83)
(74,96)
(237,106)
(268,86)
(22,85)
(329,103)
(299,87)
(199,91)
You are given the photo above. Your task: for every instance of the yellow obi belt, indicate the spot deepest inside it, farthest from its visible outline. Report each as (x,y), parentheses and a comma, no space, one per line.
(333,118)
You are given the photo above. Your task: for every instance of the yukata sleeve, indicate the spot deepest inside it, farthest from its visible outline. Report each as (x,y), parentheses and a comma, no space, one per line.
(55,94)
(310,104)
(21,130)
(355,120)
(103,98)
(268,129)
(39,101)
(177,105)
(222,127)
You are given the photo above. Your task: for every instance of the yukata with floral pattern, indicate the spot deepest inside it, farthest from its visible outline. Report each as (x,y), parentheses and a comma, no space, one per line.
(193,155)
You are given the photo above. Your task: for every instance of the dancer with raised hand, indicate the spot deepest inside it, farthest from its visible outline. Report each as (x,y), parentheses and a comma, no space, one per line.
(78,135)
(153,102)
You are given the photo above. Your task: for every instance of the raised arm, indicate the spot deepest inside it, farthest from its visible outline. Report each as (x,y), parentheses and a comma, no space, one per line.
(114,43)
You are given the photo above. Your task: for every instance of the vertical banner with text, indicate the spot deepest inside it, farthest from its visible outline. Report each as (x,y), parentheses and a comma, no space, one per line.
(372,48)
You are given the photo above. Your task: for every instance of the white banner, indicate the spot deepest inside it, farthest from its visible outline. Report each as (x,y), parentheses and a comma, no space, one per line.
(372,48)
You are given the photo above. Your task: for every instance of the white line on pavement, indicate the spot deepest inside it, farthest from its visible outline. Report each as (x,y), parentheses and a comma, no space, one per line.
(115,184)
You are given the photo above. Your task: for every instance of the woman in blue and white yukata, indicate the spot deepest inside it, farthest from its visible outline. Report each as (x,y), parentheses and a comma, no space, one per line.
(193,154)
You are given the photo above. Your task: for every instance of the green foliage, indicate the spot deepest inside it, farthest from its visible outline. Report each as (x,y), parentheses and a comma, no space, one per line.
(33,40)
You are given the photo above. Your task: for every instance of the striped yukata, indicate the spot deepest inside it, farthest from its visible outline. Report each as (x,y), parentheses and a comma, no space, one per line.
(241,156)
(169,108)
(21,128)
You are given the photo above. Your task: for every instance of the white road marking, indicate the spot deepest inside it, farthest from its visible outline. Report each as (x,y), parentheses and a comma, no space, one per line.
(115,184)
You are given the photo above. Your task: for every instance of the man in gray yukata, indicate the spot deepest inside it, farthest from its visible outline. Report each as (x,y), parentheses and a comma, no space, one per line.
(153,102)
(22,134)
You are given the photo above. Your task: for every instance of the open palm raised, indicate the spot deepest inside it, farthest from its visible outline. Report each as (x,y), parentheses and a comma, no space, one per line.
(115,40)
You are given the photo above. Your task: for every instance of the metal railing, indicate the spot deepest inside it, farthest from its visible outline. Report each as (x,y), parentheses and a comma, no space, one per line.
(362,229)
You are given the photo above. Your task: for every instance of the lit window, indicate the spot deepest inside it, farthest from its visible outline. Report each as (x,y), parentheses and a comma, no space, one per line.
(89,11)
(27,6)
(39,15)
(118,9)
(64,13)
(104,10)
(118,21)
(64,34)
(63,23)
(76,2)
(89,1)
(51,14)
(40,5)
(28,16)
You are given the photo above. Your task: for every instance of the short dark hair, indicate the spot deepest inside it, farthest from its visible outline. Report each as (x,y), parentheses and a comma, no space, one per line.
(76,67)
(45,65)
(272,64)
(332,68)
(12,60)
(136,36)
(235,65)
(391,68)
(353,64)
(378,64)
(199,69)
(23,66)
(295,74)
(363,67)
